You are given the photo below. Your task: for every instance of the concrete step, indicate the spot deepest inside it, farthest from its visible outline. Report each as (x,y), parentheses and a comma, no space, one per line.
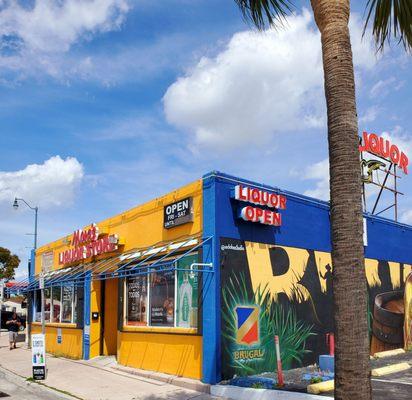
(179,381)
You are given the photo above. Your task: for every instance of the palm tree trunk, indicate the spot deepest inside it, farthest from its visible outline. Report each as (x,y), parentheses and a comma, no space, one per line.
(352,370)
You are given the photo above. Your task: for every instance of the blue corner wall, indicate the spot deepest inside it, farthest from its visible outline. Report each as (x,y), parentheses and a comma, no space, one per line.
(305,224)
(211,287)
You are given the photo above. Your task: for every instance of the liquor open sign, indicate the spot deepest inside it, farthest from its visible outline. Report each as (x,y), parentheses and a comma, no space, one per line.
(178,213)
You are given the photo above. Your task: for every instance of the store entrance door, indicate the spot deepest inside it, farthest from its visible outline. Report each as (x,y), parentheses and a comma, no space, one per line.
(108,342)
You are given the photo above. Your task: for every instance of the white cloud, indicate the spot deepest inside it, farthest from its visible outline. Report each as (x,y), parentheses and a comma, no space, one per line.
(369,116)
(401,138)
(363,46)
(259,85)
(319,172)
(53,26)
(52,183)
(37,38)
(407,217)
(384,86)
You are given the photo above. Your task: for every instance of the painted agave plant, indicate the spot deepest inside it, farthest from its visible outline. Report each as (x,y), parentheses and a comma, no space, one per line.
(274,319)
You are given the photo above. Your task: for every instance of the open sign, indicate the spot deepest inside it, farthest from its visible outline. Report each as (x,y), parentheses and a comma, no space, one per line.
(178,213)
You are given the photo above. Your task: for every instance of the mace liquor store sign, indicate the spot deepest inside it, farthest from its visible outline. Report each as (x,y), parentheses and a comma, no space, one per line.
(262,198)
(88,243)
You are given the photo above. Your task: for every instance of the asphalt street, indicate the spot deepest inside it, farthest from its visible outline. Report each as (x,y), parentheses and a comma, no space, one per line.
(14,388)
(396,386)
(393,386)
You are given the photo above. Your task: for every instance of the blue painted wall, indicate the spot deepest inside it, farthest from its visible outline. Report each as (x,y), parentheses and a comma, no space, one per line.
(211,288)
(388,240)
(305,224)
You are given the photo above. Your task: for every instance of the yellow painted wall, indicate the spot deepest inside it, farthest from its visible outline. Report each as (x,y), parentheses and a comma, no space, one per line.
(139,227)
(95,299)
(110,317)
(71,345)
(173,354)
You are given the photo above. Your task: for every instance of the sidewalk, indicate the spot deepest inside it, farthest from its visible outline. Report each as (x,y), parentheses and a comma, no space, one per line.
(89,381)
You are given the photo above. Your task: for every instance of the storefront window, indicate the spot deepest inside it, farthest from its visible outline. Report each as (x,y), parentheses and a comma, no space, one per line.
(75,300)
(60,305)
(136,291)
(67,304)
(187,294)
(56,303)
(37,302)
(47,304)
(168,298)
(162,298)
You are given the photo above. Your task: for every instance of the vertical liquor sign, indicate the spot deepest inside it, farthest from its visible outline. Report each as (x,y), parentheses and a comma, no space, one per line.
(38,351)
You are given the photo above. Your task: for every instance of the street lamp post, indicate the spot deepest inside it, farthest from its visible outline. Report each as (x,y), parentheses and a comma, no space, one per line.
(35,209)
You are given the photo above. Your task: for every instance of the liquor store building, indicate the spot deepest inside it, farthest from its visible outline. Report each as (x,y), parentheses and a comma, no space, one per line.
(197,282)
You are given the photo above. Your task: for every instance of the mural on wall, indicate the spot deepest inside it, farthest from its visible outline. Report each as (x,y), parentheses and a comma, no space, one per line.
(272,290)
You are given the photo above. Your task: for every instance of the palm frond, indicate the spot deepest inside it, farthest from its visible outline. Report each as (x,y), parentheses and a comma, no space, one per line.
(264,13)
(390,18)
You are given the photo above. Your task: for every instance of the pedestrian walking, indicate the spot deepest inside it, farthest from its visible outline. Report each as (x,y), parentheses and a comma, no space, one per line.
(13,325)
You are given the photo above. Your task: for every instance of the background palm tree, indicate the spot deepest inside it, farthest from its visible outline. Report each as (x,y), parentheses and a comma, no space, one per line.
(388,18)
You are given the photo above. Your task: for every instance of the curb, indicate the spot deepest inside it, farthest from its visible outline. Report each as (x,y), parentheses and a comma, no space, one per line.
(321,387)
(35,387)
(388,353)
(390,369)
(185,383)
(241,393)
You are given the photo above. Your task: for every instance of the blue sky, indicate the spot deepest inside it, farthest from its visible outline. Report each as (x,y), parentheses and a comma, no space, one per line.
(108,103)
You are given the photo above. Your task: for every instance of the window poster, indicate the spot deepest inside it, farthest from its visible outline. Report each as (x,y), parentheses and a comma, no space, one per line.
(37,300)
(56,303)
(187,293)
(137,300)
(162,292)
(67,302)
(47,304)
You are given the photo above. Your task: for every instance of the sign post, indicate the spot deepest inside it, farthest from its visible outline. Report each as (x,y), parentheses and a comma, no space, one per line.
(41,287)
(38,351)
